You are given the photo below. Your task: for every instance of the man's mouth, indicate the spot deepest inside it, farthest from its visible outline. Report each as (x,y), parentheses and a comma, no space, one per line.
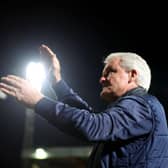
(105,86)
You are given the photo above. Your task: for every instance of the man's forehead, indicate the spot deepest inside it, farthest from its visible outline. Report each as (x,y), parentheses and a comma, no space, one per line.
(112,63)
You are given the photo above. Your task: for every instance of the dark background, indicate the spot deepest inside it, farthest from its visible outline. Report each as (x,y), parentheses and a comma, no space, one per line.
(81,38)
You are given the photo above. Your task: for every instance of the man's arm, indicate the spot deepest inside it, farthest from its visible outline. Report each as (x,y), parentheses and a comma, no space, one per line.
(128,119)
(67,95)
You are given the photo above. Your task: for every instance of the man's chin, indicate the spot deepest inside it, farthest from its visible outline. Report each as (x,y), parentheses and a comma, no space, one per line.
(104,96)
(108,97)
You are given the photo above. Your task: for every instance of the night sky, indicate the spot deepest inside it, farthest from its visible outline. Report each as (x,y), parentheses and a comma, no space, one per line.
(81,38)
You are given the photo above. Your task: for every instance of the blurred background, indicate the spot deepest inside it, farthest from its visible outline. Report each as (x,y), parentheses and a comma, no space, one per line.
(81,38)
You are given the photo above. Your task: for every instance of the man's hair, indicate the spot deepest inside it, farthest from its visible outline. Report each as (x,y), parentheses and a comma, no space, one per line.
(130,61)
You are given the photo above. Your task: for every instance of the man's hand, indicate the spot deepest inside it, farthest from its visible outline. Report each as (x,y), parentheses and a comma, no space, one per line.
(21,89)
(51,61)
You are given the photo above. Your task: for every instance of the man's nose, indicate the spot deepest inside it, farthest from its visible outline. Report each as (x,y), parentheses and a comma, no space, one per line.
(102,80)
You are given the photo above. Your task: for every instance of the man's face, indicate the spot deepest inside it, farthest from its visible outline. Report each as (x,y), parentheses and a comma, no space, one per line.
(114,81)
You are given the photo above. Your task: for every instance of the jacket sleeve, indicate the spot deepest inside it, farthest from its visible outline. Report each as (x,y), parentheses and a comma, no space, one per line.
(66,95)
(128,118)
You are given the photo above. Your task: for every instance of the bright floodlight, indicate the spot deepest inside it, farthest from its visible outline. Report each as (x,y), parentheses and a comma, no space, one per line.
(35,73)
(40,153)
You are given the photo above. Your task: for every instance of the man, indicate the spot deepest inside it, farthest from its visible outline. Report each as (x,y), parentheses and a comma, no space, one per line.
(131,132)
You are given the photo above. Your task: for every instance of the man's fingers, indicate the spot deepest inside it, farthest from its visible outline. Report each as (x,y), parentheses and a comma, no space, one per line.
(11,84)
(8,92)
(46,51)
(8,89)
(12,80)
(16,78)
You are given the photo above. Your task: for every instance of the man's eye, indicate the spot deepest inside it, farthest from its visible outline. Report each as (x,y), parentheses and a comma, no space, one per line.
(107,74)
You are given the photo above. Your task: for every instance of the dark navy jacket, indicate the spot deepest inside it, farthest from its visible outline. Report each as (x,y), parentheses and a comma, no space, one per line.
(131,133)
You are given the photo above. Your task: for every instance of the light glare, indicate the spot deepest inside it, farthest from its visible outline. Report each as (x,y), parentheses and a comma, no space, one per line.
(40,153)
(35,73)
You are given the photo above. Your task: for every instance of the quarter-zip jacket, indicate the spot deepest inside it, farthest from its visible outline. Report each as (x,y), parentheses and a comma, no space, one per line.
(130,133)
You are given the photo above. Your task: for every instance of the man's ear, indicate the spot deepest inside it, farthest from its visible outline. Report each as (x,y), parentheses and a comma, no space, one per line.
(132,75)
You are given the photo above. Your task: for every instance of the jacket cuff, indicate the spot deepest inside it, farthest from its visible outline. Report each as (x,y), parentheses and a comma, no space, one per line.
(44,107)
(61,89)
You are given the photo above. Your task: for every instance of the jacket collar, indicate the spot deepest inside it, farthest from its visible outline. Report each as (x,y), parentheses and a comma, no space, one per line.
(138,91)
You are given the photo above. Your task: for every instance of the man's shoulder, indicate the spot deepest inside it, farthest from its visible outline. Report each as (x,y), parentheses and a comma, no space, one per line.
(147,100)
